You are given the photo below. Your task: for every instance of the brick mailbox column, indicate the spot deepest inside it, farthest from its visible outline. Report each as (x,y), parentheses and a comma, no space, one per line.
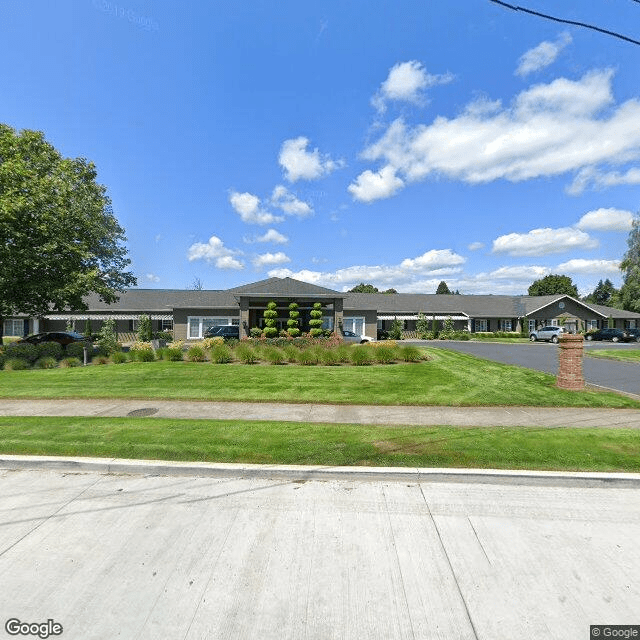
(570,362)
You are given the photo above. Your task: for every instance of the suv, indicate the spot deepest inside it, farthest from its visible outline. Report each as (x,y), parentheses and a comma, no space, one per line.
(550,334)
(228,332)
(635,334)
(615,335)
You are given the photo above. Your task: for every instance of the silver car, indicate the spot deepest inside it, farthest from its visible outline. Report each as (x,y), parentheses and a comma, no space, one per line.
(550,334)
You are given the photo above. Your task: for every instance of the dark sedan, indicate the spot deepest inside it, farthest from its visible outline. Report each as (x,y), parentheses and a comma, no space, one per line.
(61,337)
(615,335)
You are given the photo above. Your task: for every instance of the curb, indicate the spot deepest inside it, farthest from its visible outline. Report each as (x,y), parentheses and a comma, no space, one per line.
(295,473)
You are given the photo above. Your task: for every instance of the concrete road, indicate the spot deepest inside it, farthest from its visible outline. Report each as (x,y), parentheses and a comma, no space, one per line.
(543,356)
(189,558)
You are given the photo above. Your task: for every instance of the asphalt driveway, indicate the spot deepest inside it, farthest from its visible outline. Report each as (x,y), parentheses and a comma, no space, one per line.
(543,356)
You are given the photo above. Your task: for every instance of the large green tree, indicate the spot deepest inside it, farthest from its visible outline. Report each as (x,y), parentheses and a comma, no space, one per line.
(604,293)
(552,285)
(630,266)
(443,288)
(59,240)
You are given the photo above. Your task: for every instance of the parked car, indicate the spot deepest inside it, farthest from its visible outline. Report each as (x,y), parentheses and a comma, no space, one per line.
(550,334)
(61,337)
(350,336)
(383,334)
(635,334)
(615,335)
(228,332)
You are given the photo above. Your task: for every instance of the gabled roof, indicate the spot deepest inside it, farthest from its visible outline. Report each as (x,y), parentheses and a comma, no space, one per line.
(285,287)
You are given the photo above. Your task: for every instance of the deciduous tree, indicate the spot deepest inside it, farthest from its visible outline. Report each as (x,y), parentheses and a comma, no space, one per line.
(59,239)
(630,266)
(553,285)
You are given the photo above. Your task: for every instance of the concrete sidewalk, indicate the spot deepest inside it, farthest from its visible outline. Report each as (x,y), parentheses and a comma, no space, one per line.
(345,414)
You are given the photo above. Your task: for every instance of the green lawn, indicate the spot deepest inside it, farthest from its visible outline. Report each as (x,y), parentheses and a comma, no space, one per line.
(613,354)
(449,379)
(324,444)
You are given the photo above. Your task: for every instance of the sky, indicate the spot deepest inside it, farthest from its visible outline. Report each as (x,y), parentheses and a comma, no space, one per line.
(393,143)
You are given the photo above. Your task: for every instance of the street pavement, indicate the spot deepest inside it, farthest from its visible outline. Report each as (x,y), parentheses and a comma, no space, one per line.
(147,556)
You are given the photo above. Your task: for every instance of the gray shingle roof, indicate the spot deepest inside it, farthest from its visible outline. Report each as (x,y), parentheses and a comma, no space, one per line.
(285,287)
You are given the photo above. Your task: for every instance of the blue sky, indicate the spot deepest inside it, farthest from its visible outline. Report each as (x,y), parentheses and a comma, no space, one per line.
(396,143)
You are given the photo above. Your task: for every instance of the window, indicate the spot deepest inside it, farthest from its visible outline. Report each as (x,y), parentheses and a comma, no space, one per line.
(197,325)
(354,324)
(554,322)
(166,325)
(327,322)
(14,327)
(481,325)
(592,324)
(133,324)
(532,326)
(505,325)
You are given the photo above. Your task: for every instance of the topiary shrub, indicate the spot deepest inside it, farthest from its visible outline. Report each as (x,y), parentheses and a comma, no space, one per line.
(293,322)
(270,320)
(315,324)
(16,364)
(195,354)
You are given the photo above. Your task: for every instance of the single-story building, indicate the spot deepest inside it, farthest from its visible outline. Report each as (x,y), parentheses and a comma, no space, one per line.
(188,313)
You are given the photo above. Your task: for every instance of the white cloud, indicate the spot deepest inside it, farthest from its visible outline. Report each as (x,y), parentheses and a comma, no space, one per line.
(270,236)
(590,266)
(542,56)
(216,253)
(300,164)
(541,242)
(407,82)
(606,220)
(270,259)
(152,277)
(474,246)
(283,199)
(370,186)
(550,129)
(591,176)
(248,207)
(434,263)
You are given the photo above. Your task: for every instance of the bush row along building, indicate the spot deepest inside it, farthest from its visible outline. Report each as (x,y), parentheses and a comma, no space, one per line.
(189,313)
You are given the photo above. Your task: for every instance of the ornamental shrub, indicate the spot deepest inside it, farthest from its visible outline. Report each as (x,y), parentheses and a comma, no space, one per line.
(422,327)
(209,343)
(292,323)
(48,362)
(315,323)
(395,333)
(16,364)
(22,351)
(255,332)
(50,350)
(173,354)
(143,355)
(76,350)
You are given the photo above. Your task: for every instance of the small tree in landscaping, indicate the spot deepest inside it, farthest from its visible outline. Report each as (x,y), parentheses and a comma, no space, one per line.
(270,316)
(422,326)
(70,325)
(144,328)
(434,326)
(315,323)
(107,337)
(395,333)
(292,323)
(87,328)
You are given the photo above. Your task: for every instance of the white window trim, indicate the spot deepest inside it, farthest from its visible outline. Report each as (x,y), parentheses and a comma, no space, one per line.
(481,324)
(209,321)
(13,322)
(349,324)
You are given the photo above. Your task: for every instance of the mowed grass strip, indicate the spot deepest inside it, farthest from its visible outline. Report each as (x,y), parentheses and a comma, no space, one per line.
(447,379)
(613,354)
(565,449)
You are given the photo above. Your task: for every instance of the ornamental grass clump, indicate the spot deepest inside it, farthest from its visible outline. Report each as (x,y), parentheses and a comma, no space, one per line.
(273,355)
(343,353)
(385,354)
(329,356)
(196,354)
(100,360)
(209,343)
(173,354)
(361,356)
(48,362)
(291,352)
(69,363)
(308,357)
(410,353)
(246,354)
(221,354)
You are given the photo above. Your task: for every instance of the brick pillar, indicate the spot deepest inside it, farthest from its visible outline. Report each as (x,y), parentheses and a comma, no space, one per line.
(570,362)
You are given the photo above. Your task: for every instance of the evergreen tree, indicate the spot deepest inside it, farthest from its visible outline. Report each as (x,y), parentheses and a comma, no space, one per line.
(443,288)
(630,265)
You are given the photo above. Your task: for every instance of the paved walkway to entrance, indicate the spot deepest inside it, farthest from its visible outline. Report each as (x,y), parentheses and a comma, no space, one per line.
(347,414)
